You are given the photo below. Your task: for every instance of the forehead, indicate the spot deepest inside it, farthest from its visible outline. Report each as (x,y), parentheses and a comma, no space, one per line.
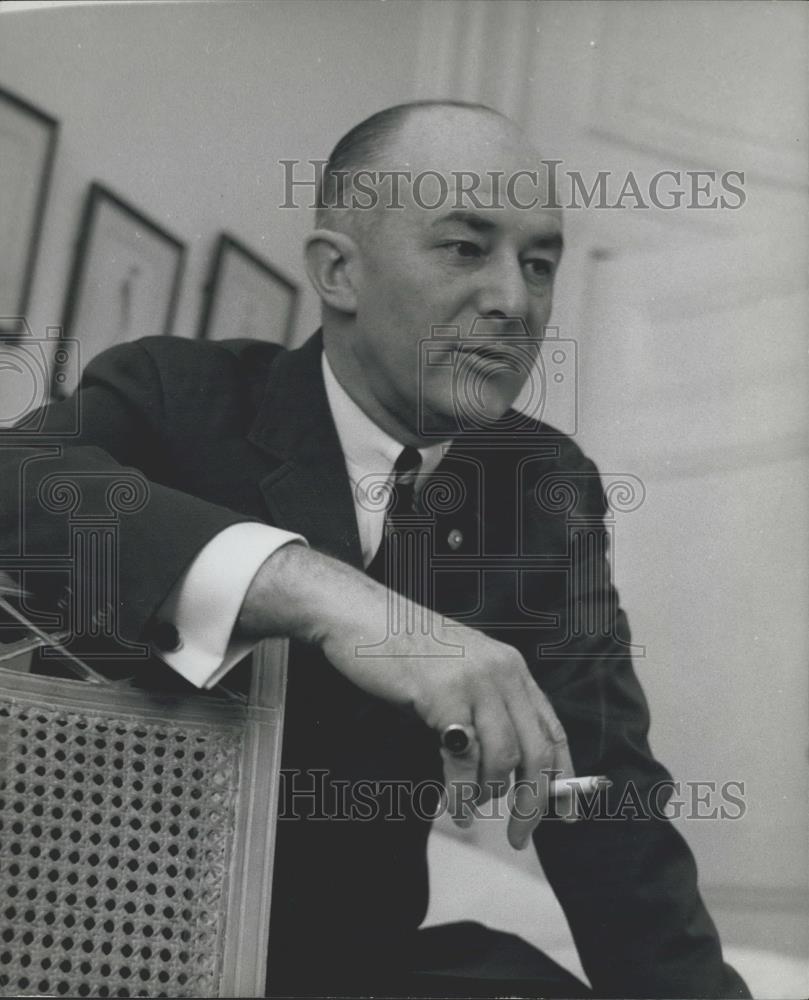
(450,139)
(458,165)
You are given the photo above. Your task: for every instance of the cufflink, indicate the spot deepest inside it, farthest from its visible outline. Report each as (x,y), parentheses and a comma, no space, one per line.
(165,637)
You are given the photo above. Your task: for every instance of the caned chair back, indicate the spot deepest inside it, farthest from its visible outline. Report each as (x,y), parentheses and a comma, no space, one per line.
(136,835)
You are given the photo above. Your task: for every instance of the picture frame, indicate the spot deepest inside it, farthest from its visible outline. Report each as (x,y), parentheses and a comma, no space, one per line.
(28,137)
(124,282)
(247,296)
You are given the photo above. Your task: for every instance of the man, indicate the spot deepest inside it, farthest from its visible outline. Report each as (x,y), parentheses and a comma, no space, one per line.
(264,469)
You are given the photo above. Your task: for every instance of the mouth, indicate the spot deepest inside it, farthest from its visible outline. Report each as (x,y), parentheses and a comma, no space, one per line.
(491,356)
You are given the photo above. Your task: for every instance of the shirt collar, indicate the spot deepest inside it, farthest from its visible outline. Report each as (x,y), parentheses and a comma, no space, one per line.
(366,447)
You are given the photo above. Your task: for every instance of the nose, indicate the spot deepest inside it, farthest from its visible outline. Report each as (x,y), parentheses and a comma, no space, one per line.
(503,291)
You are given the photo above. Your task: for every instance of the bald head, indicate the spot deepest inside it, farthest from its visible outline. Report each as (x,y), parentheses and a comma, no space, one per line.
(414,152)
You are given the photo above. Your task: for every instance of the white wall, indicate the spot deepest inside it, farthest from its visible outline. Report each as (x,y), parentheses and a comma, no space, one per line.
(185,109)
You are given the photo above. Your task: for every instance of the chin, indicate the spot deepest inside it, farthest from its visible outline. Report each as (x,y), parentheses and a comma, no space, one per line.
(489,404)
(448,419)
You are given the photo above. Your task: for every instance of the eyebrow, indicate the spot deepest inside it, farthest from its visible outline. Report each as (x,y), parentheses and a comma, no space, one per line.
(470,219)
(546,241)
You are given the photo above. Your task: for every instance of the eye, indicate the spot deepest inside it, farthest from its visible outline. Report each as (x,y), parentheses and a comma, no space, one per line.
(539,268)
(463,248)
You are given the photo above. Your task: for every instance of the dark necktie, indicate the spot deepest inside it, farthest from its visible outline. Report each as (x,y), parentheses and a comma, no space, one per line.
(400,511)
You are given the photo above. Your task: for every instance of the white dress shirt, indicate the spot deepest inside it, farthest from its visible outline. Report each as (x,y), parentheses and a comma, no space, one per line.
(204,603)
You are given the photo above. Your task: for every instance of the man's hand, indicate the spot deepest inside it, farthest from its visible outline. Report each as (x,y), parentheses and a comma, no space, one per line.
(447,673)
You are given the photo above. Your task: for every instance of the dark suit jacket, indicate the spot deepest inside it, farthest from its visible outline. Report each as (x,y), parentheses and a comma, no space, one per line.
(240,430)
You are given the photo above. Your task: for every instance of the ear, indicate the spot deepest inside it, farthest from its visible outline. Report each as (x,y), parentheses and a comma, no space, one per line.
(332,260)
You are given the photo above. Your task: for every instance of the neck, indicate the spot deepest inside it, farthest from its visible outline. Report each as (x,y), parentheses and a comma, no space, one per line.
(349,374)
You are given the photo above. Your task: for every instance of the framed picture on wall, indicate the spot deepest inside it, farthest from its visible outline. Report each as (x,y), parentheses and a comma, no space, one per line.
(124,281)
(247,297)
(28,144)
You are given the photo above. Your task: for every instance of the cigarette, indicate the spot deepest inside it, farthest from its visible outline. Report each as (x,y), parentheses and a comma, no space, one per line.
(587,784)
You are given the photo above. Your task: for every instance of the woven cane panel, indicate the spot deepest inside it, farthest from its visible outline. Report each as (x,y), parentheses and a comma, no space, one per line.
(115,846)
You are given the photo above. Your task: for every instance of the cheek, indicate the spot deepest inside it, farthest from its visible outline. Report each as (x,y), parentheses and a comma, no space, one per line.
(541,311)
(400,307)
(415,286)
(390,305)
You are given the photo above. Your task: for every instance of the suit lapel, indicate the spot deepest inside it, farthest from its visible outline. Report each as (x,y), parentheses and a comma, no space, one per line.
(309,492)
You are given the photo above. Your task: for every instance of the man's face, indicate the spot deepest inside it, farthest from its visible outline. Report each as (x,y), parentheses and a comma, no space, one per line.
(424,268)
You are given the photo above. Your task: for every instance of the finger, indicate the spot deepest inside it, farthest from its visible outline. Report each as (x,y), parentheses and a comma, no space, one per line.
(552,729)
(567,806)
(561,765)
(529,801)
(500,745)
(461,779)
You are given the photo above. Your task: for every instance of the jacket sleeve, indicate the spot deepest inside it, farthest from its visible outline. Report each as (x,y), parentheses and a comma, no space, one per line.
(95,459)
(625,878)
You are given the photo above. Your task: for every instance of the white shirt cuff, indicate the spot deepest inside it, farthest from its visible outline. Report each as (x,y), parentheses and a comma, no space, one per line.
(205,602)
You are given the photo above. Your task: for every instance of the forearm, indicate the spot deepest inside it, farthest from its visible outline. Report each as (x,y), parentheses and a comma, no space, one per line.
(303,594)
